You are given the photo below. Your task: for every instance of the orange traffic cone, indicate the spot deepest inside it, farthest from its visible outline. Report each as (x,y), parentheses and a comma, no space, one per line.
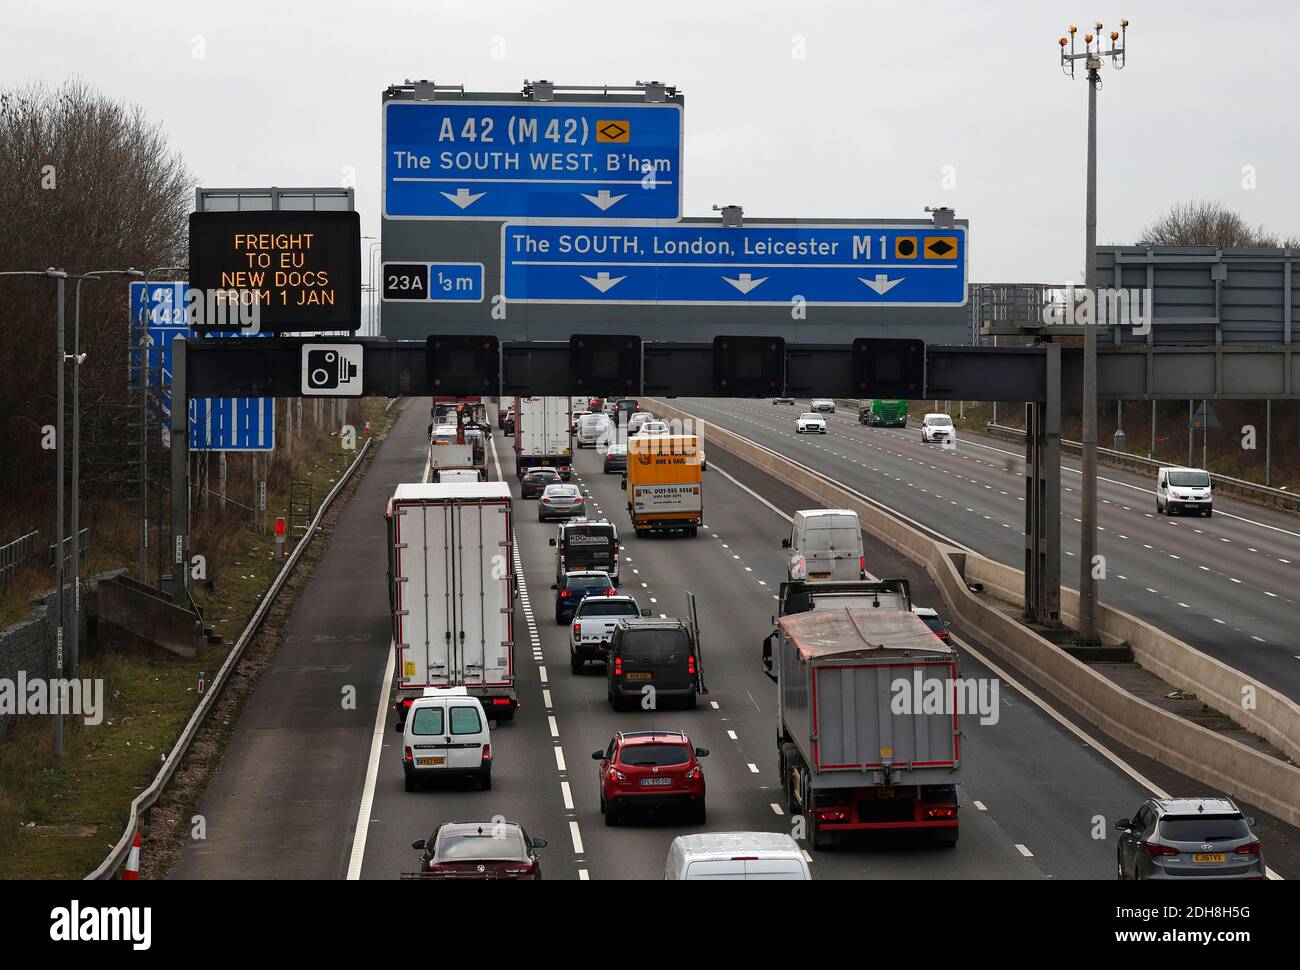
(367,427)
(132,870)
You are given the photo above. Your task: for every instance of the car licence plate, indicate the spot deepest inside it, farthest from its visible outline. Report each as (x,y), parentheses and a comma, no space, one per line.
(1209,857)
(656,781)
(819,575)
(430,762)
(637,675)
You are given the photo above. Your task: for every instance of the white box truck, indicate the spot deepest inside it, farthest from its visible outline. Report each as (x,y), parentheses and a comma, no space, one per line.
(450,591)
(543,434)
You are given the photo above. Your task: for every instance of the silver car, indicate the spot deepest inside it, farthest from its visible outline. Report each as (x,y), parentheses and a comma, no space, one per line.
(1188,838)
(561,502)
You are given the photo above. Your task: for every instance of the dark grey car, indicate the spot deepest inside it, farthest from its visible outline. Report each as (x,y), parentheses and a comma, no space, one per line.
(658,655)
(1188,838)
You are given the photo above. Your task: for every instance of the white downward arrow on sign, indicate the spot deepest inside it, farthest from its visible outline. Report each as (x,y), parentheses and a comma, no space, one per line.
(603,281)
(463,197)
(882,283)
(745,282)
(603,200)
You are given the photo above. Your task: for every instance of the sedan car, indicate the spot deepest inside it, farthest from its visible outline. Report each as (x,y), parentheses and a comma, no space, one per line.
(536,480)
(822,404)
(479,850)
(652,428)
(616,459)
(1188,838)
(576,587)
(783,400)
(811,423)
(651,771)
(561,502)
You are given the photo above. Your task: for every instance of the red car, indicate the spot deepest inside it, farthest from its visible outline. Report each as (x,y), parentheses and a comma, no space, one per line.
(651,770)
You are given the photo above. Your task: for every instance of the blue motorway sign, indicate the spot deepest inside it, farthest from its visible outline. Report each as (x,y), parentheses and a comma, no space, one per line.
(532,160)
(829,265)
(232,424)
(436,282)
(222,424)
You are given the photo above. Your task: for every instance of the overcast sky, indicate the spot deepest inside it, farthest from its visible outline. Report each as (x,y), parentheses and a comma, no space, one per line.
(808,108)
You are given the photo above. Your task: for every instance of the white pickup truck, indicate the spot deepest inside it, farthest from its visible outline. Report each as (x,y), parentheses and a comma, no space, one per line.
(593,627)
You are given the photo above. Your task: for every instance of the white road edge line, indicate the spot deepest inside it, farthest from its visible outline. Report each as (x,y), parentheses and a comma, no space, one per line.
(358,857)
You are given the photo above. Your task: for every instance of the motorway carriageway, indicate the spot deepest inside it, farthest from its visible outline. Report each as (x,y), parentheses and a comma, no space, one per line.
(1227,585)
(308,789)
(1032,791)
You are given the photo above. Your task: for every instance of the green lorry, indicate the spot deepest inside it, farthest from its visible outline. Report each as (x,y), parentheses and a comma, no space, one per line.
(882,414)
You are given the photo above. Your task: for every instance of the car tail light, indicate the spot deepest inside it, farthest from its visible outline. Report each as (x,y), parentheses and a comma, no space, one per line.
(1252,848)
(943,812)
(944,635)
(832,814)
(690,665)
(501,701)
(564,594)
(577,631)
(407,754)
(694,773)
(1154,850)
(487,752)
(617,775)
(618,666)
(616,548)
(522,871)
(611,591)
(545,500)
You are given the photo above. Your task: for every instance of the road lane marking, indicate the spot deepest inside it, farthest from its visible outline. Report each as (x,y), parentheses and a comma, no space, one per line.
(1024,851)
(358,857)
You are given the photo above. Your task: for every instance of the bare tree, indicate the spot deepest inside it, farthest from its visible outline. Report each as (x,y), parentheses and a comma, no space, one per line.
(1209,223)
(86,182)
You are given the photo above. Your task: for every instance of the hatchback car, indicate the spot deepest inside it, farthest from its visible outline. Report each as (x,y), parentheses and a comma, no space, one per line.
(938,427)
(651,771)
(636,420)
(650,657)
(1188,838)
(616,459)
(783,400)
(508,422)
(561,502)
(536,480)
(653,428)
(575,588)
(810,423)
(479,850)
(822,404)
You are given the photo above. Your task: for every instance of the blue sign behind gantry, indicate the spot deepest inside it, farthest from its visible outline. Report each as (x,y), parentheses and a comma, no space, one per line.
(532,160)
(831,265)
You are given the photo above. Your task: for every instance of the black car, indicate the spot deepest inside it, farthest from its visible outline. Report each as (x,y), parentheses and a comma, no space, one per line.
(575,587)
(616,459)
(535,481)
(660,654)
(479,850)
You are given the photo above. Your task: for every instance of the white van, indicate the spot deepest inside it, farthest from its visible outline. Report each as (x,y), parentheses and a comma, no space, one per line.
(446,735)
(593,428)
(1184,490)
(736,855)
(825,544)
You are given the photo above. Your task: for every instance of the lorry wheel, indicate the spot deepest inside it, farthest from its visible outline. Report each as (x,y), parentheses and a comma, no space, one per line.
(410,783)
(692,702)
(611,817)
(700,814)
(691,531)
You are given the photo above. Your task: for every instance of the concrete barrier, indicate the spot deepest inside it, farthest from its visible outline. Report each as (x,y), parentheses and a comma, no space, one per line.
(1197,752)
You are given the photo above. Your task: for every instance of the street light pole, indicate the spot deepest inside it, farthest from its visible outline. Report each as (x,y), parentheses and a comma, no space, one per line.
(1092,58)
